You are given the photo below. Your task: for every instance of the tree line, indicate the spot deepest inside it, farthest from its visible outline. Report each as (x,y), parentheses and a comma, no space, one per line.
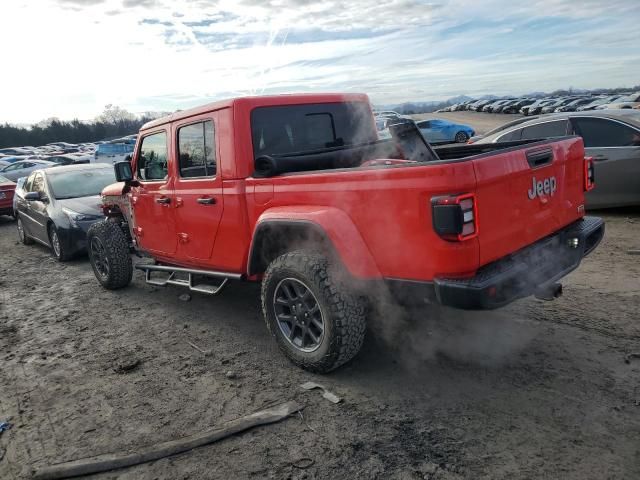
(112,123)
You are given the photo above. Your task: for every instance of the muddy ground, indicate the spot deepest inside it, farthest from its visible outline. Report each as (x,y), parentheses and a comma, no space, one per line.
(536,390)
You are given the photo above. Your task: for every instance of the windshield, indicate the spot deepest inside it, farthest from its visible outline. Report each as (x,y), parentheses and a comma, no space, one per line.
(80,183)
(302,128)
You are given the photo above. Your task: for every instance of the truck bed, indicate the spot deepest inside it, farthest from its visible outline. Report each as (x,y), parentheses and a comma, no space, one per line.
(407,145)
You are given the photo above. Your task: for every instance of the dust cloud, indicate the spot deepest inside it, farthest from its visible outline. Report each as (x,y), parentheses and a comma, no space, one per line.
(422,333)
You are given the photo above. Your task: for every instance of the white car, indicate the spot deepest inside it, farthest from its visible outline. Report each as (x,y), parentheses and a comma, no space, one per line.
(22,168)
(630,101)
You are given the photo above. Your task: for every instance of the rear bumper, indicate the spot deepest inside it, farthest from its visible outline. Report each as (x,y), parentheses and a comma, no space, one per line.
(522,273)
(518,275)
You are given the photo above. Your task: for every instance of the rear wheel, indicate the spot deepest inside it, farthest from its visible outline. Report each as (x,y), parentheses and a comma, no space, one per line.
(461,137)
(318,324)
(22,234)
(109,255)
(57,247)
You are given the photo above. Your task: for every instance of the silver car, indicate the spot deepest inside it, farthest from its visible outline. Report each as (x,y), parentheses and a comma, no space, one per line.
(22,168)
(611,137)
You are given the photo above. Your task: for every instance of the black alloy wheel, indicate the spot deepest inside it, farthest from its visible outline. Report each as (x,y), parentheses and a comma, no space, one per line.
(99,257)
(299,315)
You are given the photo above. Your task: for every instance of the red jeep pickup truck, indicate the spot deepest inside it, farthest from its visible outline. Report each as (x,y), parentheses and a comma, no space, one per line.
(298,192)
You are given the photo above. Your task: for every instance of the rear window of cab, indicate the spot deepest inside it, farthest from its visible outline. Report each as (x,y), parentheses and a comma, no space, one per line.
(287,129)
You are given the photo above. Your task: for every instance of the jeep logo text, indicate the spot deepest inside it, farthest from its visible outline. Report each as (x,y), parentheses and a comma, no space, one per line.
(542,187)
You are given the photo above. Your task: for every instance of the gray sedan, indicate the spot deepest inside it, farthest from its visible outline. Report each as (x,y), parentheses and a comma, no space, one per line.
(22,168)
(611,137)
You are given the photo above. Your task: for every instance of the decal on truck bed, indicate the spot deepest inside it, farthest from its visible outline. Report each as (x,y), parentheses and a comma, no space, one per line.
(546,187)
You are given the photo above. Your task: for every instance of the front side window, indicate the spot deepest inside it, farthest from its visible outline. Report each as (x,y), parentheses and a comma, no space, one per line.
(511,136)
(28,185)
(152,160)
(598,132)
(196,150)
(545,130)
(38,183)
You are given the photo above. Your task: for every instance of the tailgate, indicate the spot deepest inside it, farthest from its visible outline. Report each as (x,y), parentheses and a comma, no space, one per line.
(526,193)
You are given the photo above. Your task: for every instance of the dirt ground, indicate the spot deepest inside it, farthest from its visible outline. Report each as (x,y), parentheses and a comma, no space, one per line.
(535,390)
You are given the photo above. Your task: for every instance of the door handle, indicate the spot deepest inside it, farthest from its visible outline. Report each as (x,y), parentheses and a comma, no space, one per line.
(600,158)
(206,201)
(163,200)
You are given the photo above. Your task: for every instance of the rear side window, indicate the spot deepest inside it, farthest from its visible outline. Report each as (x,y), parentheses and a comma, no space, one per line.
(196,150)
(545,130)
(152,161)
(598,132)
(302,128)
(511,136)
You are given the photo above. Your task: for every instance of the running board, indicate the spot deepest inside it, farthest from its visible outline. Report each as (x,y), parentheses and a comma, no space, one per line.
(172,280)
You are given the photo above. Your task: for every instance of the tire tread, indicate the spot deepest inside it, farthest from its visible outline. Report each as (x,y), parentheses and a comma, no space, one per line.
(347,310)
(117,246)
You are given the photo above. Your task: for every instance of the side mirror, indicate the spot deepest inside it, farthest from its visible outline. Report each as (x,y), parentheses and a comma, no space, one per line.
(123,171)
(128,158)
(32,196)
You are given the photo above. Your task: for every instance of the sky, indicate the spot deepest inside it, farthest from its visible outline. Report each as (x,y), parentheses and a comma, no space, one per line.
(70,58)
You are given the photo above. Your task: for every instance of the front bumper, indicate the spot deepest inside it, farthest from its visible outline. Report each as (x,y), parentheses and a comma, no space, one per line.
(75,237)
(519,275)
(534,268)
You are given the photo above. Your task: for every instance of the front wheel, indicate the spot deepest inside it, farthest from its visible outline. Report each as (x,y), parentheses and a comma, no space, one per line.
(58,249)
(461,137)
(108,249)
(318,324)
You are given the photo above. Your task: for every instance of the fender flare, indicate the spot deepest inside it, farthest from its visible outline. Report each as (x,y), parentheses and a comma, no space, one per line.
(331,223)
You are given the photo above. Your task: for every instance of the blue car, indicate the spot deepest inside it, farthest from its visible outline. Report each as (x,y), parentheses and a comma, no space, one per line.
(443,131)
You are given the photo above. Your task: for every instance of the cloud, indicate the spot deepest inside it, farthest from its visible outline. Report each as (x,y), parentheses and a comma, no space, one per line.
(154,21)
(83,3)
(140,3)
(163,55)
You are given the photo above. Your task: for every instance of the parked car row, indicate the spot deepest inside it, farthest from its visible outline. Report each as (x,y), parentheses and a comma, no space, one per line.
(16,162)
(557,104)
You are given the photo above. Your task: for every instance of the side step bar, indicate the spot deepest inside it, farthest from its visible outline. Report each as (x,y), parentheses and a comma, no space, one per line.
(189,282)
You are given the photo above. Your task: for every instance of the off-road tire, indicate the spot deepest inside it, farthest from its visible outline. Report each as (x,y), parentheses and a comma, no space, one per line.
(62,255)
(23,237)
(344,313)
(116,255)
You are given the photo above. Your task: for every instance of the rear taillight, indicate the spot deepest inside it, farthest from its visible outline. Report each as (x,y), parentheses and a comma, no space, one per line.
(455,217)
(589,174)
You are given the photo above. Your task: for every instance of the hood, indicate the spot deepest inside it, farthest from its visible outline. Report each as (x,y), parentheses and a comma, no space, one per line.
(7,185)
(85,205)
